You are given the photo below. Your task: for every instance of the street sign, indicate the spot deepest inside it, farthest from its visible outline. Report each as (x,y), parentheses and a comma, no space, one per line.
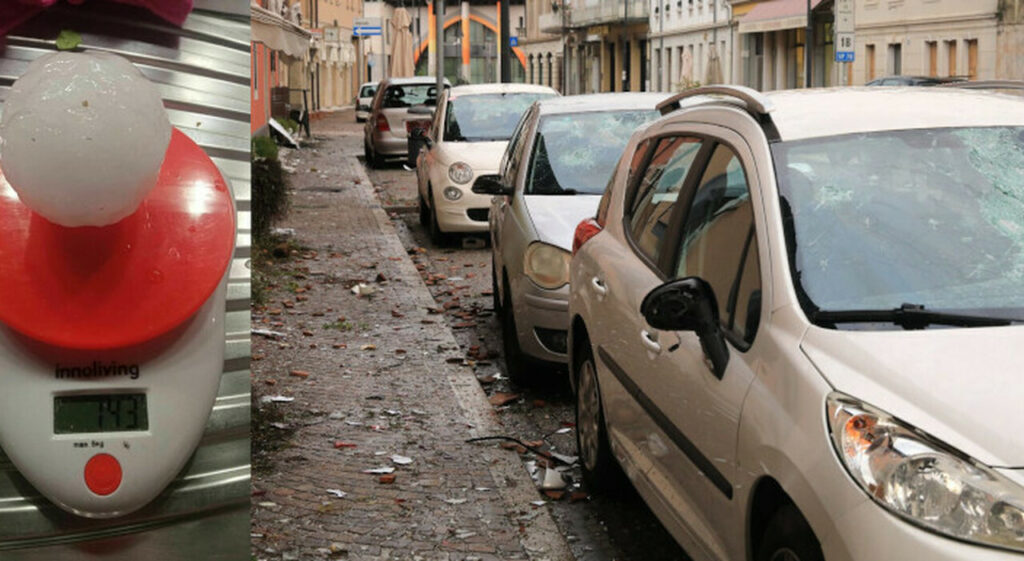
(365,27)
(513,41)
(844,47)
(366,31)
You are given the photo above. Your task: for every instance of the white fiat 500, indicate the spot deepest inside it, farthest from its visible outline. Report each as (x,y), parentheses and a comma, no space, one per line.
(472,125)
(554,171)
(798,324)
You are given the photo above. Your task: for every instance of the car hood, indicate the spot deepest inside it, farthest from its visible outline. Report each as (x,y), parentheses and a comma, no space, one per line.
(555,217)
(963,386)
(483,157)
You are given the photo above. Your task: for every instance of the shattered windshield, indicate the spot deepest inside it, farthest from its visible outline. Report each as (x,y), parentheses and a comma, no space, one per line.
(487,116)
(576,152)
(931,217)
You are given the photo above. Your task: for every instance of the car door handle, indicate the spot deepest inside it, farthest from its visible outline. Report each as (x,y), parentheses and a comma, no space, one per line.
(599,286)
(650,341)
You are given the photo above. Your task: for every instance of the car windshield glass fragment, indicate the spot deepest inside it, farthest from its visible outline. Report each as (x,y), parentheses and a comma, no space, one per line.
(933,217)
(483,117)
(577,152)
(409,95)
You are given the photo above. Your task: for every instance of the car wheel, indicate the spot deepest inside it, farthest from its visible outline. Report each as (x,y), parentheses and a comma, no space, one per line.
(436,235)
(424,212)
(788,537)
(495,296)
(519,365)
(368,156)
(601,472)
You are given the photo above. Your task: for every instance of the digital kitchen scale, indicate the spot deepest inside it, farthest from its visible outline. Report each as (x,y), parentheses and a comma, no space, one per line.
(112,338)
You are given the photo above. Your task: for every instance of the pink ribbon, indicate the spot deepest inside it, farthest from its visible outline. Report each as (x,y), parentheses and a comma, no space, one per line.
(14,12)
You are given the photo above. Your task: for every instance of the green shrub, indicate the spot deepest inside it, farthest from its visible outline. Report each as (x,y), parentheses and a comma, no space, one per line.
(264,148)
(269,188)
(290,125)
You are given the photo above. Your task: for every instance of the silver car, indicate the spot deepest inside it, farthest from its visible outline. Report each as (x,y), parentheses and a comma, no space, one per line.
(797,324)
(399,105)
(552,175)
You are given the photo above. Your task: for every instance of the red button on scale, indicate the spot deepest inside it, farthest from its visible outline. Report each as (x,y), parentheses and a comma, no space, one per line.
(103,474)
(123,284)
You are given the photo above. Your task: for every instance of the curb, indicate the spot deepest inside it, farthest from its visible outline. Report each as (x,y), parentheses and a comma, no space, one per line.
(541,539)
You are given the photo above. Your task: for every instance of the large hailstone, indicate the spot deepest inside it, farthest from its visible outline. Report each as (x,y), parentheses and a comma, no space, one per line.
(82,138)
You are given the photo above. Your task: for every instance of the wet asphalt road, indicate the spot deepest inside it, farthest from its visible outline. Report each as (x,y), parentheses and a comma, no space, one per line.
(598,528)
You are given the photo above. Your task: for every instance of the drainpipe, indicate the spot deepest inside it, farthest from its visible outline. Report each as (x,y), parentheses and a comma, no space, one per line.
(808,41)
(625,46)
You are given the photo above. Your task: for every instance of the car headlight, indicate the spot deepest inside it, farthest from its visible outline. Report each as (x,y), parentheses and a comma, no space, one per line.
(923,480)
(547,265)
(460,172)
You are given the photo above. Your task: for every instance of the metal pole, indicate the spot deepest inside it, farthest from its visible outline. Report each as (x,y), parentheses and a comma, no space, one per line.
(503,47)
(565,53)
(808,41)
(625,46)
(439,33)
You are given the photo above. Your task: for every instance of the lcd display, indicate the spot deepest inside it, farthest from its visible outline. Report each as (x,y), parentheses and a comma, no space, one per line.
(99,413)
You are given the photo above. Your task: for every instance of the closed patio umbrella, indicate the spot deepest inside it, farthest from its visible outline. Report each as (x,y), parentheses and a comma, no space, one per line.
(714,74)
(401,44)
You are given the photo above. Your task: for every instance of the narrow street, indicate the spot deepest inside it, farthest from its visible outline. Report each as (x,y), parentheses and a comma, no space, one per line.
(375,349)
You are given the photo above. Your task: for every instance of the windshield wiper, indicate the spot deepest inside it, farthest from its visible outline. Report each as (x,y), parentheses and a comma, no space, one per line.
(907,316)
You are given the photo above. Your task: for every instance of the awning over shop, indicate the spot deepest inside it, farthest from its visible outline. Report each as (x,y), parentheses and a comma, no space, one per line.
(273,31)
(775,15)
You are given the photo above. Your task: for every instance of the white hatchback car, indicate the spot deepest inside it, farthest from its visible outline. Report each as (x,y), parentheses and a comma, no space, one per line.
(798,323)
(471,127)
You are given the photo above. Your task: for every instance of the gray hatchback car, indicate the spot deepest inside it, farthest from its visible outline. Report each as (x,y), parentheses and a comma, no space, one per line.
(399,105)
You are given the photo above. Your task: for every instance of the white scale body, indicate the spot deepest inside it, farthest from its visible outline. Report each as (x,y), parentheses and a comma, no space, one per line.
(179,374)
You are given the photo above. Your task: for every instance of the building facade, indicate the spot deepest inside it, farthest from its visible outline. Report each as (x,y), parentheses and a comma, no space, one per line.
(926,38)
(1010,40)
(332,76)
(280,50)
(545,62)
(470,41)
(691,41)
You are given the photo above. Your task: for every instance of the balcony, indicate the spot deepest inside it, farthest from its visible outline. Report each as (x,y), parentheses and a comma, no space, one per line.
(597,12)
(550,22)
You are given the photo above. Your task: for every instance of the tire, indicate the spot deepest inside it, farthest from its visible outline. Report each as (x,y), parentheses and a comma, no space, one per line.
(368,156)
(519,365)
(495,295)
(601,472)
(788,537)
(436,235)
(424,212)
(373,160)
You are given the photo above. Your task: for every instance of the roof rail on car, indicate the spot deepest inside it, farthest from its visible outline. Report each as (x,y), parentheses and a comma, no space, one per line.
(986,85)
(756,103)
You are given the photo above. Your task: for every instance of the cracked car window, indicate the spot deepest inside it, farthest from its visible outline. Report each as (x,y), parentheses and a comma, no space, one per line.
(933,216)
(577,152)
(483,117)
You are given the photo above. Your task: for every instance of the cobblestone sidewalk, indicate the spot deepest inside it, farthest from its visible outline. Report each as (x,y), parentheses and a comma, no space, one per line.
(373,382)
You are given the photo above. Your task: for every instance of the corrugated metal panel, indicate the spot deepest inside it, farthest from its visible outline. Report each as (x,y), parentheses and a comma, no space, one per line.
(202,71)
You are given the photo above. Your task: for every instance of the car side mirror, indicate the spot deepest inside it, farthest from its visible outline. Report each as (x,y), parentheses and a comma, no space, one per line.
(689,304)
(490,184)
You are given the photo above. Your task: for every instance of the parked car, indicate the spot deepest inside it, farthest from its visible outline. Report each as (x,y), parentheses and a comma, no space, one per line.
(915,81)
(385,133)
(468,135)
(797,324)
(364,99)
(552,175)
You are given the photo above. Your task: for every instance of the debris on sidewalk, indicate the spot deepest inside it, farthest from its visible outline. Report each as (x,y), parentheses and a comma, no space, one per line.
(268,333)
(401,460)
(338,493)
(380,470)
(276,399)
(503,398)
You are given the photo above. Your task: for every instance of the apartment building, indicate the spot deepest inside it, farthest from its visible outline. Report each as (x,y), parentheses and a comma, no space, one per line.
(542,39)
(926,38)
(690,42)
(332,77)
